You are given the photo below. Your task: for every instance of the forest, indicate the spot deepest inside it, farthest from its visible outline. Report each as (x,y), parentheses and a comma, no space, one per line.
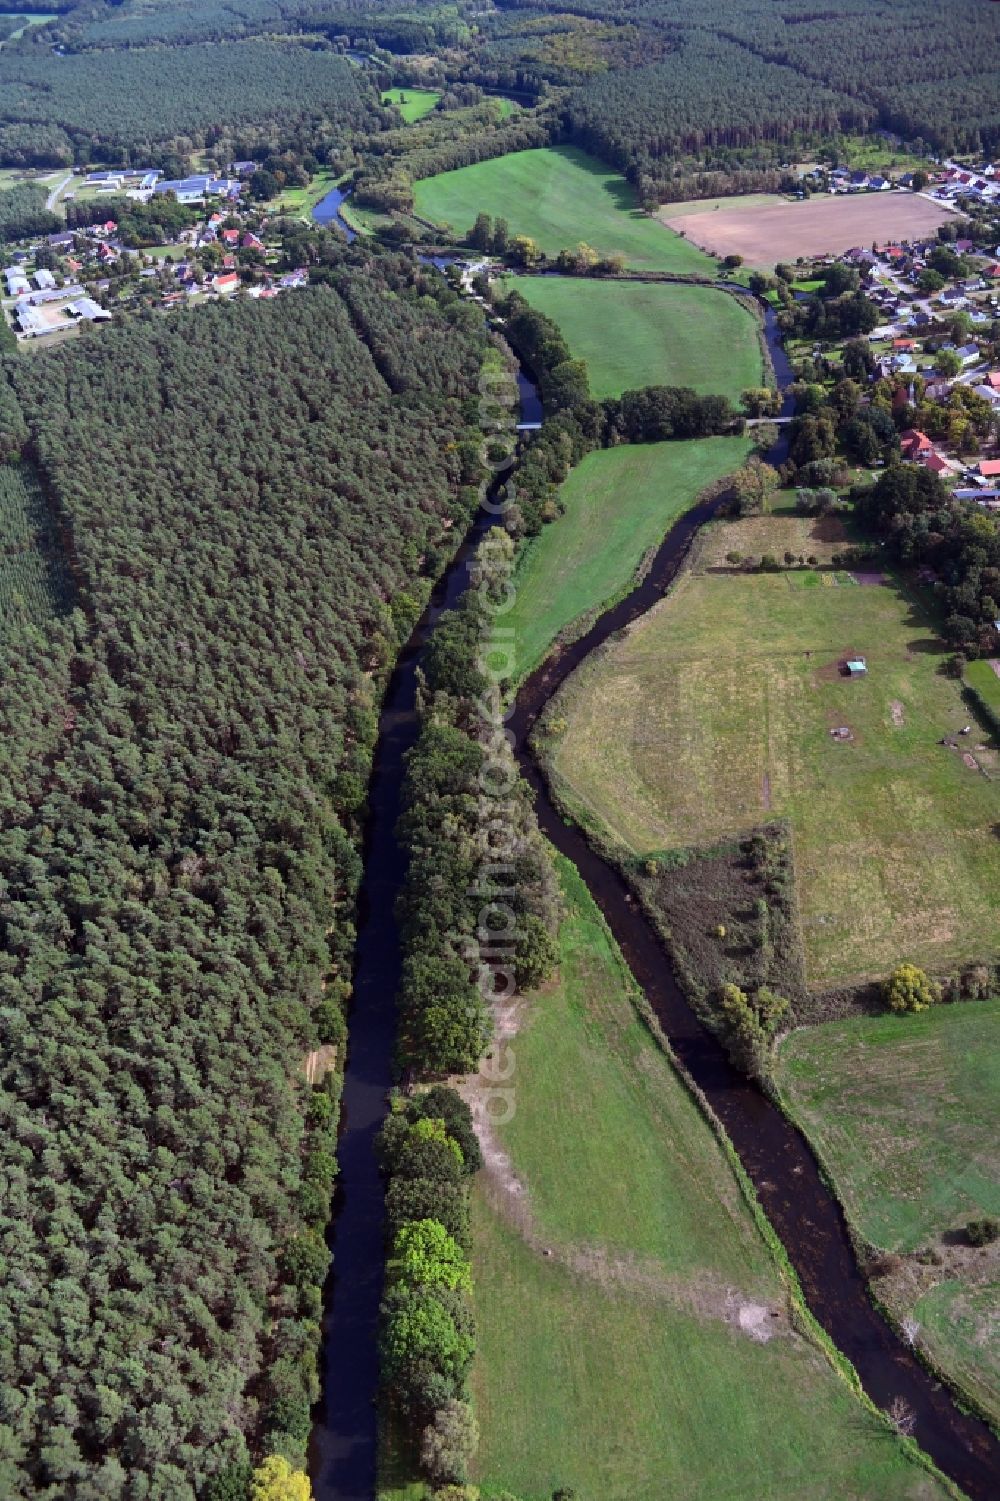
(23,212)
(741,75)
(252,500)
(660,88)
(129,106)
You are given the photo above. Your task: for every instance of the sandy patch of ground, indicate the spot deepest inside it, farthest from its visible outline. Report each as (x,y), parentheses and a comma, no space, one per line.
(766,231)
(995,664)
(319,1063)
(897,711)
(702,1294)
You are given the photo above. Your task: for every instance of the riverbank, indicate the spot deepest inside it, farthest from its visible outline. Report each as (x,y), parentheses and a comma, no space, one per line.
(797,1202)
(793,1194)
(651,1311)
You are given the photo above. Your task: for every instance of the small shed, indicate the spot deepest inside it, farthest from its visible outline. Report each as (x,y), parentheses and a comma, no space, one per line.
(855,667)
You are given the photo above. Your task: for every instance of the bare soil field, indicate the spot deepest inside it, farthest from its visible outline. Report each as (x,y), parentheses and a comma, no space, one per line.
(765,230)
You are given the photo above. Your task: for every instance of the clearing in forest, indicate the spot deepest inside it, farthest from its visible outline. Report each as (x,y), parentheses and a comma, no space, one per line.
(903,1111)
(765,230)
(619,503)
(635,334)
(412,104)
(717,712)
(558,196)
(629,1311)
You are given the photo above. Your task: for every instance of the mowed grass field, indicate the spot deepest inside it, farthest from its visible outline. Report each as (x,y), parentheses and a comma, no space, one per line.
(715,714)
(412,104)
(559,196)
(635,334)
(904,1112)
(984,675)
(623,1362)
(619,503)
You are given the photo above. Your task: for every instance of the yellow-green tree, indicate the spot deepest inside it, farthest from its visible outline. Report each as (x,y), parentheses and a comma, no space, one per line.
(275,1480)
(910,989)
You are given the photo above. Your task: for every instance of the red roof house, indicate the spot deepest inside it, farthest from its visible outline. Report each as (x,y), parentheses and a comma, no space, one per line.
(914,443)
(989,468)
(934,462)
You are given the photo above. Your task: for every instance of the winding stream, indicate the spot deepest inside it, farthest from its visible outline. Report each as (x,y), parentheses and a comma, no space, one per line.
(802,1210)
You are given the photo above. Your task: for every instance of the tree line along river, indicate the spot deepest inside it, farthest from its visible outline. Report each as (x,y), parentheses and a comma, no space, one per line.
(785,1174)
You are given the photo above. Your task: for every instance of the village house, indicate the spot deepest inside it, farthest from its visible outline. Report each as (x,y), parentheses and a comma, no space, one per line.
(914,443)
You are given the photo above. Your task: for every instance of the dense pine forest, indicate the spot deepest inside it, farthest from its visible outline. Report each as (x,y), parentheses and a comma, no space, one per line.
(713,78)
(251,500)
(738,76)
(121,106)
(217,528)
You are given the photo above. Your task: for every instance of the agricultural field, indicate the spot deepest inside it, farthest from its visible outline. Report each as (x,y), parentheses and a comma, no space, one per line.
(619,503)
(559,196)
(628,1308)
(34,579)
(765,230)
(717,713)
(634,334)
(903,1111)
(412,104)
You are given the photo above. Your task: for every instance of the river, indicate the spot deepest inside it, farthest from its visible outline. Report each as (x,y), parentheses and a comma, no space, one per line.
(777,1158)
(327,211)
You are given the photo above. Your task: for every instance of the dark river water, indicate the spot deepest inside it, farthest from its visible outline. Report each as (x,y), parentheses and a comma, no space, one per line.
(327,211)
(774,1154)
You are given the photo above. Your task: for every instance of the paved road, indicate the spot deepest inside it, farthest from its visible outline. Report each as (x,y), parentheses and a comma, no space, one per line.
(50,201)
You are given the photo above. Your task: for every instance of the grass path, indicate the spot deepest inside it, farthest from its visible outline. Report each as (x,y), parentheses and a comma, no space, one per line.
(559,196)
(615,1384)
(619,503)
(634,334)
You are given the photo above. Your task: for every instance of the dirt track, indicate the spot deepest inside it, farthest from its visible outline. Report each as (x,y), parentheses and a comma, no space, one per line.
(765,231)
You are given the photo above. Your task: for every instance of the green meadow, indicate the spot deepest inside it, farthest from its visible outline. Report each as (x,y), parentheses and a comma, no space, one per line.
(716,713)
(619,503)
(412,104)
(634,1332)
(558,196)
(903,1111)
(635,334)
(986,680)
